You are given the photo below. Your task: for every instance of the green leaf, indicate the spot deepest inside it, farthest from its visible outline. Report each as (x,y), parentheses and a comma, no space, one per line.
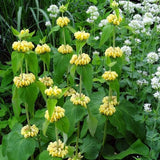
(86,73)
(45,127)
(54,29)
(18,147)
(1,156)
(92,124)
(29,95)
(106,33)
(3,124)
(115,87)
(64,90)
(94,1)
(90,147)
(100,79)
(16,101)
(79,45)
(32,62)
(71,29)
(136,148)
(61,64)
(46,59)
(19,14)
(42,88)
(14,31)
(63,124)
(117,12)
(51,103)
(112,64)
(17,61)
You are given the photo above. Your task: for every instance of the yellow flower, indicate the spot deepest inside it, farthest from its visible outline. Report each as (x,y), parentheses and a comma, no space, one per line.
(57,114)
(107,109)
(65,49)
(81,59)
(114,19)
(110,75)
(69,92)
(114,4)
(81,99)
(113,100)
(29,131)
(81,35)
(79,157)
(22,46)
(25,31)
(62,21)
(114,52)
(24,80)
(41,49)
(55,91)
(57,149)
(47,81)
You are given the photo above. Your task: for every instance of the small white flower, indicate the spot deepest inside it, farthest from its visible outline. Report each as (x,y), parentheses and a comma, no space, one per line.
(137,40)
(127,42)
(155,82)
(48,23)
(147,107)
(152,57)
(95,53)
(126,50)
(157,95)
(96,38)
(103,22)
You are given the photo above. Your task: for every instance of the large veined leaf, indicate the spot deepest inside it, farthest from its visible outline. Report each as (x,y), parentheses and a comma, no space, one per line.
(106,33)
(61,63)
(51,103)
(90,148)
(17,61)
(63,124)
(46,59)
(42,88)
(71,29)
(86,73)
(17,147)
(45,156)
(29,95)
(79,45)
(136,148)
(54,29)
(1,156)
(32,62)
(16,101)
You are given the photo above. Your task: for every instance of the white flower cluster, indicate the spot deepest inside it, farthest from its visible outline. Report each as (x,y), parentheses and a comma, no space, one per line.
(96,53)
(96,38)
(152,57)
(103,22)
(148,19)
(158,28)
(144,73)
(128,6)
(142,82)
(157,95)
(137,40)
(147,107)
(127,42)
(127,51)
(48,23)
(93,11)
(53,9)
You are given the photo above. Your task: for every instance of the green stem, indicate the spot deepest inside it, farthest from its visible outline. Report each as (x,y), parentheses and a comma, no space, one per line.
(44,67)
(27,114)
(78,129)
(56,132)
(26,66)
(104,138)
(114,35)
(64,37)
(32,157)
(80,85)
(110,95)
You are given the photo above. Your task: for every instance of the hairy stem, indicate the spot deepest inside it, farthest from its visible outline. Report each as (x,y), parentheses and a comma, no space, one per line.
(114,35)
(64,37)
(56,132)
(78,129)
(27,114)
(26,66)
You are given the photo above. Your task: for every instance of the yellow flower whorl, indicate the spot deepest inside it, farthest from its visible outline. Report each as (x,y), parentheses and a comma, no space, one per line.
(24,80)
(77,99)
(29,131)
(110,75)
(107,109)
(69,92)
(114,19)
(22,46)
(65,49)
(113,100)
(47,81)
(55,91)
(57,149)
(81,35)
(57,114)
(81,59)
(25,31)
(62,21)
(79,157)
(114,52)
(41,49)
